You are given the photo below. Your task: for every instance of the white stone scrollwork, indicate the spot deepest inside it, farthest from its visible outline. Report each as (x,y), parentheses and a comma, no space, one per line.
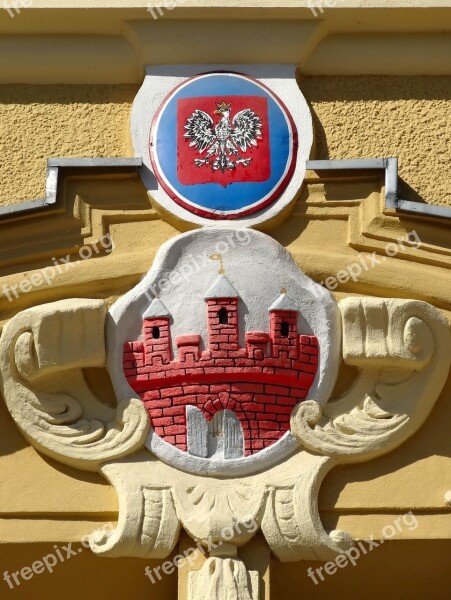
(44,349)
(402,350)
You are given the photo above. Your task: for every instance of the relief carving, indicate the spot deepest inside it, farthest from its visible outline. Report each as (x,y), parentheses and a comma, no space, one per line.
(201,437)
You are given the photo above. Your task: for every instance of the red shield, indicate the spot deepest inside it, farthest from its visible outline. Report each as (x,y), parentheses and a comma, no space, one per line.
(259,168)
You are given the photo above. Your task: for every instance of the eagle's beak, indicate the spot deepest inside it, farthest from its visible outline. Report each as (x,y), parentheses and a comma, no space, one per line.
(217,112)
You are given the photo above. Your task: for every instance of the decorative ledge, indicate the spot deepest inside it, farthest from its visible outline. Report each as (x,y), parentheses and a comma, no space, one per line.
(54,166)
(390,165)
(392,200)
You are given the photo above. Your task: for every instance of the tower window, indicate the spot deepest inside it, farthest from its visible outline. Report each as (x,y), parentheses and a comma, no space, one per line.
(156,333)
(284,329)
(223,316)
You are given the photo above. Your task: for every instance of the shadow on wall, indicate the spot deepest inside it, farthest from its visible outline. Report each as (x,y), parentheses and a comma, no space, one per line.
(405,570)
(380,116)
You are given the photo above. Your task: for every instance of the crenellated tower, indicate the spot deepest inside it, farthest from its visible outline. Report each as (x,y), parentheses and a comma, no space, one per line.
(156,334)
(226,398)
(283,320)
(222,316)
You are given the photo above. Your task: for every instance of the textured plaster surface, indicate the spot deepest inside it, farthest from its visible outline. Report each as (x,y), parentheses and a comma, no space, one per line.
(369,117)
(39,122)
(355,116)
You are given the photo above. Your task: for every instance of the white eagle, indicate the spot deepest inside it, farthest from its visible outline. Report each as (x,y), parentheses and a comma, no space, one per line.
(226,139)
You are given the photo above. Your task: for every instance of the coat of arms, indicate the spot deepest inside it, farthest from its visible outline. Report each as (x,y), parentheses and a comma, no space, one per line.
(224,141)
(225,401)
(223,379)
(224,144)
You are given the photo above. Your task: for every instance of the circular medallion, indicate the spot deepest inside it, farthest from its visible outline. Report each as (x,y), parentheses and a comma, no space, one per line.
(223,145)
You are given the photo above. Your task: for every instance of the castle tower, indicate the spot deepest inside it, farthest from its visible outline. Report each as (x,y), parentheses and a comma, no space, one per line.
(284,327)
(222,306)
(156,334)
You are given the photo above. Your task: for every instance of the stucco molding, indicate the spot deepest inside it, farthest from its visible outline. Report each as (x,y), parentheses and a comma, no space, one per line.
(55,166)
(396,345)
(65,421)
(281,502)
(400,348)
(348,38)
(391,192)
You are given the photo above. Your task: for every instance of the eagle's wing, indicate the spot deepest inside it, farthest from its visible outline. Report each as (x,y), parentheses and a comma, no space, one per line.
(199,129)
(248,129)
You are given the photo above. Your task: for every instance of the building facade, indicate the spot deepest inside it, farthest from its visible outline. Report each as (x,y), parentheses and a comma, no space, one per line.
(225,296)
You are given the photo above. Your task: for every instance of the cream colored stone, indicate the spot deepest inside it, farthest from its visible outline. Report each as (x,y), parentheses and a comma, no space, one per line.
(223,579)
(281,500)
(402,350)
(40,346)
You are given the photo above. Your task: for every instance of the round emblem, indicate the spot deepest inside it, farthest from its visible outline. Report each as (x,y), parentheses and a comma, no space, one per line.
(223,145)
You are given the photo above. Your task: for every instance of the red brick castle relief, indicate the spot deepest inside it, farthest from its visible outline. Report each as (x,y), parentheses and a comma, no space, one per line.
(255,387)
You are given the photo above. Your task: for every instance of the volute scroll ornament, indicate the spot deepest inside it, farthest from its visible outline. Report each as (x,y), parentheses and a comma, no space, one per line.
(396,345)
(45,349)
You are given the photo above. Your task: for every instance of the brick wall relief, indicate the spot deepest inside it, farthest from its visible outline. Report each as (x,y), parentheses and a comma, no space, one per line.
(225,400)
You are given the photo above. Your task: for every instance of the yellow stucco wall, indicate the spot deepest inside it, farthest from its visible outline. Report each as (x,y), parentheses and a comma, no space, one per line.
(39,122)
(355,117)
(390,571)
(43,503)
(407,117)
